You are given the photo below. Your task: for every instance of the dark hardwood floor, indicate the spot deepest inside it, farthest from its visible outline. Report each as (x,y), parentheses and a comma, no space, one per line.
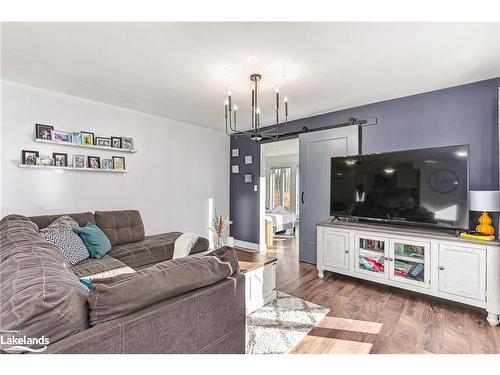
(366,317)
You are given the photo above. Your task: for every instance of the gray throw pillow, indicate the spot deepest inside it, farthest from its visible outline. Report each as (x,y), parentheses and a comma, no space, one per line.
(70,244)
(61,223)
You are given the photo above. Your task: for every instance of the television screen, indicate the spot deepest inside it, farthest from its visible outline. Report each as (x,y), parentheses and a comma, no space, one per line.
(426,187)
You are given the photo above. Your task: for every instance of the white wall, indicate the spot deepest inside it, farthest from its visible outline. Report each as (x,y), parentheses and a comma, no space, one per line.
(177,169)
(283,161)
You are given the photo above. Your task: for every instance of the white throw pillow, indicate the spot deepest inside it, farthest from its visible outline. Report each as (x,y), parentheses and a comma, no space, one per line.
(276,209)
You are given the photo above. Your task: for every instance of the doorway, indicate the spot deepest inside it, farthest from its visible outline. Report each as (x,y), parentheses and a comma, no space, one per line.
(295,186)
(279,192)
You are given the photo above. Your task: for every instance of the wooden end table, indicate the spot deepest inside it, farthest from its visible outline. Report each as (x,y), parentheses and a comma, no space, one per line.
(260,278)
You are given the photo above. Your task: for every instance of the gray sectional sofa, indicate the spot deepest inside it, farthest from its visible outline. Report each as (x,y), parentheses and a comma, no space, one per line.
(189,305)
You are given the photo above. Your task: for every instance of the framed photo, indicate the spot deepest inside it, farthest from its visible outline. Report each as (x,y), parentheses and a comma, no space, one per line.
(235,168)
(116,142)
(29,157)
(44,131)
(60,160)
(235,152)
(61,136)
(248,178)
(103,141)
(248,159)
(76,137)
(107,164)
(87,138)
(79,161)
(93,162)
(45,160)
(119,163)
(127,143)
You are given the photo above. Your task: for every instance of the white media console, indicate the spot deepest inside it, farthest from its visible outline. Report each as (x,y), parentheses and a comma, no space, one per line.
(428,261)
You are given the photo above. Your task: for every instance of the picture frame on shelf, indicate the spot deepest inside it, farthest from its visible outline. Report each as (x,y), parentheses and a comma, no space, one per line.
(59,136)
(60,159)
(76,137)
(235,152)
(116,142)
(119,163)
(29,157)
(45,160)
(248,178)
(107,164)
(248,159)
(235,169)
(87,138)
(43,132)
(103,141)
(93,162)
(79,161)
(127,143)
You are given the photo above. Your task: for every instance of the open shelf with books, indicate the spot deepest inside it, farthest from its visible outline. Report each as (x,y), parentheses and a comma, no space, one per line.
(371,255)
(409,262)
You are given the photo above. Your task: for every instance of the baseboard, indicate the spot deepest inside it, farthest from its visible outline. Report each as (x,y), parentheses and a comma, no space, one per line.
(247,245)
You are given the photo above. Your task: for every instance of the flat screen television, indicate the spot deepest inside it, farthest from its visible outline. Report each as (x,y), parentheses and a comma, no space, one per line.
(427,187)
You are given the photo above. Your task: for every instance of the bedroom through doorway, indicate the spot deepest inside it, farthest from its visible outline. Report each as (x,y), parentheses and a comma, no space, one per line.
(280,219)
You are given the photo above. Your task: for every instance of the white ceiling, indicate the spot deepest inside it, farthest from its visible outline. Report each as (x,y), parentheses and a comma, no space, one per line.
(183,70)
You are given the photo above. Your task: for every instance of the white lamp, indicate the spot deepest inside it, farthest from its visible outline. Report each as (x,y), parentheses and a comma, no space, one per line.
(484,201)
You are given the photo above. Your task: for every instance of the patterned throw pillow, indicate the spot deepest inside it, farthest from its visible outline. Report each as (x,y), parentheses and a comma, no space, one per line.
(61,223)
(69,243)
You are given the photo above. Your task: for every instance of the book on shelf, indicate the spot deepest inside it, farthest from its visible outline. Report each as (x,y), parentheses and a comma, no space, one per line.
(477,236)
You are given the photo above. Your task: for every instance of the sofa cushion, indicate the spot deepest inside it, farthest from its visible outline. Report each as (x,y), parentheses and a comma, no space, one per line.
(45,220)
(153,249)
(95,266)
(95,240)
(69,243)
(39,295)
(121,226)
(61,223)
(120,295)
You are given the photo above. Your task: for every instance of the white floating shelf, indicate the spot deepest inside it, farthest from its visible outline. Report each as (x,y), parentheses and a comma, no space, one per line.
(103,148)
(72,168)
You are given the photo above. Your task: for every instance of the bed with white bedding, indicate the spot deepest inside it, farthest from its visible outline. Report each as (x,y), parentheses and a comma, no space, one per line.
(282,220)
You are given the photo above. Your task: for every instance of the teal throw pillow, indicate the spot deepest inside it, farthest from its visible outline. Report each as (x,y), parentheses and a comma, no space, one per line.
(94,239)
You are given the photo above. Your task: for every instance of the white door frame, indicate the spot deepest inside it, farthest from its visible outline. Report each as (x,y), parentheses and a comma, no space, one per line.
(262,199)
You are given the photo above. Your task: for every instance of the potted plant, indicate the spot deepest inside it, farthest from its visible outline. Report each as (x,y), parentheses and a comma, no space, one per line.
(219,223)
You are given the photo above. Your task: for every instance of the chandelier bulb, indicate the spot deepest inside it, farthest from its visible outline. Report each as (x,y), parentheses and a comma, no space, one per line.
(277,90)
(235,107)
(229,93)
(258,110)
(226,102)
(285,99)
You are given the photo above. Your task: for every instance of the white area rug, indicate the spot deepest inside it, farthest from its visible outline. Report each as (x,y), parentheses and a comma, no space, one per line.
(280,325)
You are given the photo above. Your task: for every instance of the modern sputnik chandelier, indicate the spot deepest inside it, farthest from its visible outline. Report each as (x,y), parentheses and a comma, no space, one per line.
(255,133)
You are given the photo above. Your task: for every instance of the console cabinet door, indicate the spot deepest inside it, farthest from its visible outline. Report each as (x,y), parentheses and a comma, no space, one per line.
(409,262)
(462,271)
(336,249)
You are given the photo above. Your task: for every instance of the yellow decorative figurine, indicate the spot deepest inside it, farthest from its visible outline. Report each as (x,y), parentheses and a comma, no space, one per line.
(485,226)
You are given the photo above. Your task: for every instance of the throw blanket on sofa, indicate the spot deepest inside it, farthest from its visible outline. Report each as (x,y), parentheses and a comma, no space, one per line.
(183,245)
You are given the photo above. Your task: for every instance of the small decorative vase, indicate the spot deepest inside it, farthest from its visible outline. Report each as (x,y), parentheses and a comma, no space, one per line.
(485,226)
(218,243)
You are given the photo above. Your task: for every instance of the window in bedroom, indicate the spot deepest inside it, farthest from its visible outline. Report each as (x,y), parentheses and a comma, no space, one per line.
(280,188)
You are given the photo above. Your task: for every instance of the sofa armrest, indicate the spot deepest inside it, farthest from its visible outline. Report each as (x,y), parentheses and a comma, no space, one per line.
(206,320)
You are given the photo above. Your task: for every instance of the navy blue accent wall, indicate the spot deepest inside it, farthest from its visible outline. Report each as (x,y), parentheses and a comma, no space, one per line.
(466,114)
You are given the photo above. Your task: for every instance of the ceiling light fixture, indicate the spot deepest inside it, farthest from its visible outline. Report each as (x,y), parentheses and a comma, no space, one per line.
(255,133)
